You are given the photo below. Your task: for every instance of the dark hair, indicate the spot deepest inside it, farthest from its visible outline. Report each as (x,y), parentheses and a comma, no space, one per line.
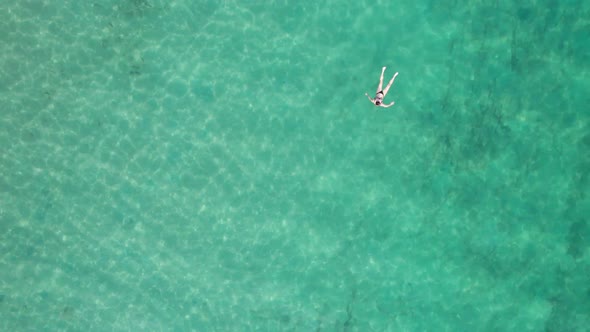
(377,102)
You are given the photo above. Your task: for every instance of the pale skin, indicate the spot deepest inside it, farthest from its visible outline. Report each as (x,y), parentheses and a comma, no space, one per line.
(381,93)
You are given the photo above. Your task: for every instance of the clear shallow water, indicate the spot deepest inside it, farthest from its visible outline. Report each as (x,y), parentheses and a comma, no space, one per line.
(169,166)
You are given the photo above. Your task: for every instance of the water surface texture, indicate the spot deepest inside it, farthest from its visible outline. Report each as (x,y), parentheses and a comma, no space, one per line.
(215,166)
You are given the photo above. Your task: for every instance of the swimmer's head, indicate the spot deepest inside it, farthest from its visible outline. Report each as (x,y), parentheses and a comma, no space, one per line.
(377,102)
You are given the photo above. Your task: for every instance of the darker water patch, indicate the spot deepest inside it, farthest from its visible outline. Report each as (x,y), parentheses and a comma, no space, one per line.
(524,14)
(202,90)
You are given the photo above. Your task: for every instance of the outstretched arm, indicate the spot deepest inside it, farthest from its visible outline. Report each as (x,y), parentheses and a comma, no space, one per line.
(390,104)
(371,99)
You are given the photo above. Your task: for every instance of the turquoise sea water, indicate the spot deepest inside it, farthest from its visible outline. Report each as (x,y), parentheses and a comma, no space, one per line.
(215,166)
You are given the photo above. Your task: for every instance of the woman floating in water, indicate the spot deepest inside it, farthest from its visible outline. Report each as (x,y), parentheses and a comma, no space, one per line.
(378,101)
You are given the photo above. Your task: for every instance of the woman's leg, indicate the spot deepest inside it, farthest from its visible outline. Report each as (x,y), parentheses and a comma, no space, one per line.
(389,85)
(380,87)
